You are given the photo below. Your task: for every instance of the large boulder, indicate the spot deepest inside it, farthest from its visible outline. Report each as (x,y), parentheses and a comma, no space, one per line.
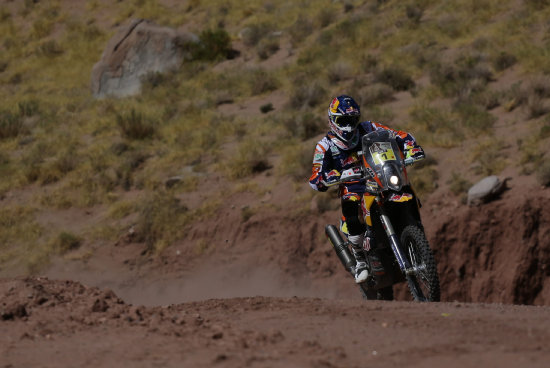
(486,190)
(137,49)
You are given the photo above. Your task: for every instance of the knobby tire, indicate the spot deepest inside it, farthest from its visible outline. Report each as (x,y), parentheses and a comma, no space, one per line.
(424,286)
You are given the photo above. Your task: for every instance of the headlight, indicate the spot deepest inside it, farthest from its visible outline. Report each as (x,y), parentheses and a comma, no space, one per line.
(393,178)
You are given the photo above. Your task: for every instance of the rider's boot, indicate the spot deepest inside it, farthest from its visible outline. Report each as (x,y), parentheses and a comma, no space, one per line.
(361,270)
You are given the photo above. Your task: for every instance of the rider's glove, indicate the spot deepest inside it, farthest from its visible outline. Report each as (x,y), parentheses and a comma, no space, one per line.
(331,178)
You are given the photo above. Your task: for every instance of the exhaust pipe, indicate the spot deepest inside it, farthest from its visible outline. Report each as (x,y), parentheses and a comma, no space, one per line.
(340,247)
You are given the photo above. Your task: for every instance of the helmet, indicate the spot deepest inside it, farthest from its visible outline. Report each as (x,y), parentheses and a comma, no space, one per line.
(343,118)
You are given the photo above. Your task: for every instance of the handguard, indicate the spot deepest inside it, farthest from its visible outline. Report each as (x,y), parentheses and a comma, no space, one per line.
(353,174)
(334,177)
(331,178)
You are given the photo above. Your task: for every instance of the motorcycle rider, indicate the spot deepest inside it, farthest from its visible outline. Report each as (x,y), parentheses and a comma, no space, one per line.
(338,151)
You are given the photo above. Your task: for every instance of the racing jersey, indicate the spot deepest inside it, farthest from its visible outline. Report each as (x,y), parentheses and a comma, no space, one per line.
(330,159)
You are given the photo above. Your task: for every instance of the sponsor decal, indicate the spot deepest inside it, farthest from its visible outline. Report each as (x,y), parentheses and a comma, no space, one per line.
(318,157)
(381,152)
(334,150)
(354,197)
(350,160)
(334,106)
(332,174)
(401,197)
(370,172)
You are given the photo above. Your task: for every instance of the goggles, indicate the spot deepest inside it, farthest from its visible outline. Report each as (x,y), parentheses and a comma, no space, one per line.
(347,121)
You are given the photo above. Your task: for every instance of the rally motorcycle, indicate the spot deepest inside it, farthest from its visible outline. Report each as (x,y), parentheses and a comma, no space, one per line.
(401,251)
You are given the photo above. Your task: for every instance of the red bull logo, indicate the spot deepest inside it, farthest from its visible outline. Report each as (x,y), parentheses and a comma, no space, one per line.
(334,106)
(333,174)
(401,197)
(350,160)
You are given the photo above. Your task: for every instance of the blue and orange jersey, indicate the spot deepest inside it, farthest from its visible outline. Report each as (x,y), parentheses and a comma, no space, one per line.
(331,157)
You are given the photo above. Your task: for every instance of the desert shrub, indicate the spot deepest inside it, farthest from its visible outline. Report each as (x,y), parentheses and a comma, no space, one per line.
(486,157)
(374,94)
(340,70)
(545,130)
(251,158)
(53,170)
(537,4)
(469,71)
(324,17)
(414,13)
(131,161)
(303,126)
(160,216)
(475,118)
(530,155)
(16,78)
(395,77)
(212,45)
(49,49)
(309,125)
(253,33)
(296,162)
(65,241)
(369,62)
(450,25)
(540,86)
(267,47)
(423,179)
(515,96)
(487,98)
(5,14)
(28,107)
(503,61)
(42,27)
(457,184)
(11,125)
(305,95)
(378,113)
(436,126)
(134,125)
(300,29)
(261,81)
(246,213)
(543,173)
(536,107)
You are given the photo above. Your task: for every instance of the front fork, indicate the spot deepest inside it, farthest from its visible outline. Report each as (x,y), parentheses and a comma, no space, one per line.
(403,262)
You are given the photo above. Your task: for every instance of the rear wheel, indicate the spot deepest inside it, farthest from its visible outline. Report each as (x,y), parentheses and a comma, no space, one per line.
(424,284)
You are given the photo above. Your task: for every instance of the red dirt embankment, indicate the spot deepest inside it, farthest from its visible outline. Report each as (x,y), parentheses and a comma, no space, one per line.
(495,253)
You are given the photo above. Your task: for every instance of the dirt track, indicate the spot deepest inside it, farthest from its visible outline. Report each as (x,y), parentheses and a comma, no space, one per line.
(48,323)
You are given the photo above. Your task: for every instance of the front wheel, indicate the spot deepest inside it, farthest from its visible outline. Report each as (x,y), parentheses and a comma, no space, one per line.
(424,283)
(385,293)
